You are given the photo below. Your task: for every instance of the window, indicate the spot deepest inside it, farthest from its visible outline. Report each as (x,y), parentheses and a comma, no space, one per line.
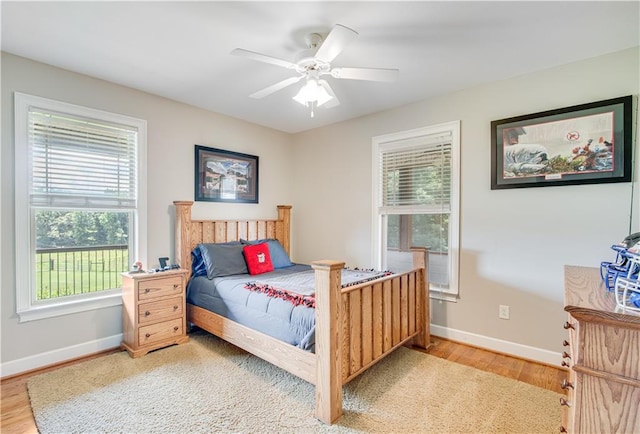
(416,181)
(81,194)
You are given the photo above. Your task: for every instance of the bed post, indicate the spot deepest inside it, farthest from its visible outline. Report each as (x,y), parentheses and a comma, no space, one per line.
(284,215)
(328,338)
(420,260)
(183,234)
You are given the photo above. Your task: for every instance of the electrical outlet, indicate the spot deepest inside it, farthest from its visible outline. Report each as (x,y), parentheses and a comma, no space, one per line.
(503,313)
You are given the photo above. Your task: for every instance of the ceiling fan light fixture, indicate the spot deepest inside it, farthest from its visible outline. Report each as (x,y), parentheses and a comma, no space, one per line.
(312,92)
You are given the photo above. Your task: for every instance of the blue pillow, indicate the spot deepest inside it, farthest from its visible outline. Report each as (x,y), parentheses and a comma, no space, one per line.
(279,257)
(223,259)
(198,267)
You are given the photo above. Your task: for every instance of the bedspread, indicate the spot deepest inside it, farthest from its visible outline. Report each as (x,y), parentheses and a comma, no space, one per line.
(279,303)
(278,318)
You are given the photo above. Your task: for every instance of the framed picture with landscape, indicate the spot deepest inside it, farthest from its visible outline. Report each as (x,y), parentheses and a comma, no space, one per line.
(582,144)
(225,176)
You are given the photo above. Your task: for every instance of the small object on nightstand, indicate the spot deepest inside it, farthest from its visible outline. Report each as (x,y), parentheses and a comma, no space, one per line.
(137,267)
(163,263)
(164,266)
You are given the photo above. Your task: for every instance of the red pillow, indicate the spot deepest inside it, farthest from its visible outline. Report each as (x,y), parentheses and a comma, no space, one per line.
(258,258)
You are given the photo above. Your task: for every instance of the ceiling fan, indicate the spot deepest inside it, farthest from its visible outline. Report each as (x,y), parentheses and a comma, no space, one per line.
(314,63)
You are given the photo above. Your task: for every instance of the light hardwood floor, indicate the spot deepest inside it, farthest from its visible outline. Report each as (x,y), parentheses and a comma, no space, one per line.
(18,419)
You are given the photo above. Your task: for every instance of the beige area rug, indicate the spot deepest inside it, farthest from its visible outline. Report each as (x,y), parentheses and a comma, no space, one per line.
(209,386)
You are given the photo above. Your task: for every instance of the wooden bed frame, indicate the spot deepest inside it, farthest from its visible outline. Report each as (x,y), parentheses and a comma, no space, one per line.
(356,326)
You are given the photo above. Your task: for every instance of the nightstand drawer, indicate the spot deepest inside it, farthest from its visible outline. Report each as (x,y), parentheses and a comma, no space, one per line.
(159,332)
(159,310)
(148,289)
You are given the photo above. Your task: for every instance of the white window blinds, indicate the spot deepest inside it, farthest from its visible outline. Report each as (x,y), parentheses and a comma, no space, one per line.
(79,162)
(416,173)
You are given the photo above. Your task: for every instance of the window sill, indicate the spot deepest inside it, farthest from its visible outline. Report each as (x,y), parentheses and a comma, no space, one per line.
(43,311)
(443,296)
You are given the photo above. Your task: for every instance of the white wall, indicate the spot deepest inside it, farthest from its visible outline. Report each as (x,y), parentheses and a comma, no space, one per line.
(514,243)
(173,130)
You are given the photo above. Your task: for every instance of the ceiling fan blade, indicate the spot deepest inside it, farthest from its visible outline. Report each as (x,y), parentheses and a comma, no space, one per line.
(372,74)
(333,102)
(275,87)
(263,58)
(339,37)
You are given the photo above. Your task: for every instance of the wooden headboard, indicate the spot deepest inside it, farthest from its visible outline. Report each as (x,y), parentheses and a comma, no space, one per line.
(189,233)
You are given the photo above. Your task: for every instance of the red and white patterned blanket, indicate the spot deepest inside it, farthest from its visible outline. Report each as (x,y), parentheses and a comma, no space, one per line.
(299,288)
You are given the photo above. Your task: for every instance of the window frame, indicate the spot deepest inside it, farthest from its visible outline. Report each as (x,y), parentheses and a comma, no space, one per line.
(27,308)
(379,220)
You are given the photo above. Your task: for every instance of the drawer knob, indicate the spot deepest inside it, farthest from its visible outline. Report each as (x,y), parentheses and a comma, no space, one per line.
(175,329)
(147,290)
(564,402)
(565,343)
(566,385)
(175,307)
(175,286)
(566,355)
(147,313)
(564,364)
(148,335)
(568,325)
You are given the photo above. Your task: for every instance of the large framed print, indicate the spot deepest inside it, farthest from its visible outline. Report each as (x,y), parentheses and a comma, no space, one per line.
(225,176)
(583,144)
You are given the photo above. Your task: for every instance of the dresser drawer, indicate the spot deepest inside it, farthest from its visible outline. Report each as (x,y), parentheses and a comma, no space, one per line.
(160,310)
(615,350)
(155,288)
(159,332)
(619,400)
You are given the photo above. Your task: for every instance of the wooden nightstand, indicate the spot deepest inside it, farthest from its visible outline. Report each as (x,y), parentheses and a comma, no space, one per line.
(153,311)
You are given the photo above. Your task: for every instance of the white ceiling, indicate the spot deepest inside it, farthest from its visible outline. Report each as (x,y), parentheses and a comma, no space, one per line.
(180,50)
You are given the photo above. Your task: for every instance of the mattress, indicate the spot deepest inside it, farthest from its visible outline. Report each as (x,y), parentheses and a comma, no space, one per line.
(278,318)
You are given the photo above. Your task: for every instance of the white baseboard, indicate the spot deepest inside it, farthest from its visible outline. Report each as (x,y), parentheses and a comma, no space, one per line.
(49,358)
(498,345)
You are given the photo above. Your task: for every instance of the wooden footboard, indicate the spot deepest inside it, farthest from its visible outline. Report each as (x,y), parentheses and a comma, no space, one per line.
(359,325)
(356,326)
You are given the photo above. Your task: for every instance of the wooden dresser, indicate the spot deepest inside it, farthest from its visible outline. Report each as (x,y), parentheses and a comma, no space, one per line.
(153,310)
(603,353)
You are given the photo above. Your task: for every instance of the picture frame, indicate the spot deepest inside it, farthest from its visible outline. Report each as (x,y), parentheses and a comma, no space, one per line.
(582,144)
(225,176)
